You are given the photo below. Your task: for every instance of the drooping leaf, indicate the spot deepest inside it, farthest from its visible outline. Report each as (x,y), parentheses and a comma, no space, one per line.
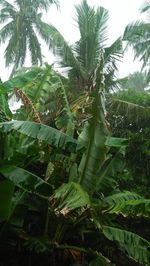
(136,246)
(130,207)
(26,180)
(71,196)
(41,132)
(21,80)
(121,197)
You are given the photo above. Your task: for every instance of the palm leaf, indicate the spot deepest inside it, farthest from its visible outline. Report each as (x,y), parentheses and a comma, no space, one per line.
(112,55)
(41,4)
(92,26)
(8,8)
(137,35)
(132,111)
(34,47)
(145,7)
(58,44)
(6,31)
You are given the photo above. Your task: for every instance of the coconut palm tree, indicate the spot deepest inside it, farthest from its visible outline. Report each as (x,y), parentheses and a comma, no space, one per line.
(137,35)
(21,21)
(136,82)
(83,56)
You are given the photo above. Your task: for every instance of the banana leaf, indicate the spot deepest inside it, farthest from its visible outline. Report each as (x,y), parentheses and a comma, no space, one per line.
(41,132)
(26,180)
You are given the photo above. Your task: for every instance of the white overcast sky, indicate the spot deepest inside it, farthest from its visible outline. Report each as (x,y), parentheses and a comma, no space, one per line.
(121,12)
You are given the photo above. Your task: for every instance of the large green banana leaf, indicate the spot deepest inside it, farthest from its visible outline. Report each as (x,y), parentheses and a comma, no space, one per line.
(130,207)
(26,180)
(21,80)
(136,246)
(121,197)
(71,196)
(41,132)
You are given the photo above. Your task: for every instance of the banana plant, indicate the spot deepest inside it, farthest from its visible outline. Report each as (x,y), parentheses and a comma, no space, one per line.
(80,200)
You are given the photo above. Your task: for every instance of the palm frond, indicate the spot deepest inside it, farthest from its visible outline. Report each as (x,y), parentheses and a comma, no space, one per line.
(92,26)
(133,112)
(6,31)
(44,4)
(63,50)
(34,47)
(8,8)
(37,4)
(145,7)
(91,21)
(4,17)
(11,50)
(113,53)
(137,35)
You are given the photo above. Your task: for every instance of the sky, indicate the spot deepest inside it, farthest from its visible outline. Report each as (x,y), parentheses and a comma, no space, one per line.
(121,13)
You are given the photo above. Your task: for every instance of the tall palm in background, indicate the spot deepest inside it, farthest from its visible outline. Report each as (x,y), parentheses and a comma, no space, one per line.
(83,56)
(137,82)
(137,35)
(21,22)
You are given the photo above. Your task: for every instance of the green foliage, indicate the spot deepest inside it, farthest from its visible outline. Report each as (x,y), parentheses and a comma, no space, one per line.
(21,80)
(26,180)
(6,193)
(41,132)
(137,35)
(63,189)
(136,246)
(136,82)
(135,126)
(71,196)
(21,18)
(38,244)
(83,56)
(135,207)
